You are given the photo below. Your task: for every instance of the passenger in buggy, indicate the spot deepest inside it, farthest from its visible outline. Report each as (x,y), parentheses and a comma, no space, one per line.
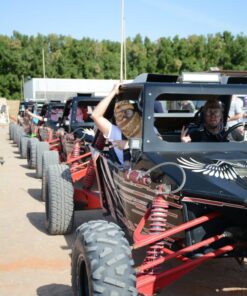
(84,134)
(81,114)
(128,123)
(36,119)
(212,129)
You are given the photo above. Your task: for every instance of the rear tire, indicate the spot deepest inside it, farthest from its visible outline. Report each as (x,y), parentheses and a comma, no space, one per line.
(15,135)
(101,261)
(59,204)
(40,149)
(31,152)
(23,146)
(20,133)
(49,158)
(11,130)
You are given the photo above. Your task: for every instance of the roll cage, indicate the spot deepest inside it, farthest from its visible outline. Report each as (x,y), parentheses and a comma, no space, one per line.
(170,122)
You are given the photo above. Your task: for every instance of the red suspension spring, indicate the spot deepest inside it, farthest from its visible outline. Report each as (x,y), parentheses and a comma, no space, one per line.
(89,178)
(158,224)
(76,150)
(75,153)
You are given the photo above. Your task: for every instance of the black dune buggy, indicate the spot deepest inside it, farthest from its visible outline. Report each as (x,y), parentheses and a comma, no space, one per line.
(185,202)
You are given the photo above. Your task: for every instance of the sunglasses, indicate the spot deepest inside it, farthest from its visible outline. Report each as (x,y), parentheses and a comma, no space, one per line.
(213,112)
(128,113)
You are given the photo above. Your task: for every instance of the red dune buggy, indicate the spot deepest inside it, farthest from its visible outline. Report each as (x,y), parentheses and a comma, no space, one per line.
(69,173)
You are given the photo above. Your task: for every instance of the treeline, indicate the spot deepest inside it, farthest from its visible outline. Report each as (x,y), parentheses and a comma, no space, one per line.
(65,57)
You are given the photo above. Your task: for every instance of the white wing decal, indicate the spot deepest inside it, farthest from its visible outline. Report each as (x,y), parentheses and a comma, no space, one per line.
(220,169)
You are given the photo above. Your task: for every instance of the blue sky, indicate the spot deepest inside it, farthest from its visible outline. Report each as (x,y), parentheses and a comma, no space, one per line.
(101,19)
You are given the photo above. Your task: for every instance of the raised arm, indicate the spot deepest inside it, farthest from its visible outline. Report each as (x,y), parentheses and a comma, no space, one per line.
(101,122)
(34,115)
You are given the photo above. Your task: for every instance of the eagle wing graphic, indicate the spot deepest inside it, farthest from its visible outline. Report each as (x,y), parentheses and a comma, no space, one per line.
(220,169)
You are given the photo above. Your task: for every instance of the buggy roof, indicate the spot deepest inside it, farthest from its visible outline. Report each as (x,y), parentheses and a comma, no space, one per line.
(149,91)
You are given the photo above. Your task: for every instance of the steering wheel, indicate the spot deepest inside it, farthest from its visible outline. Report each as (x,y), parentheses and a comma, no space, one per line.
(232,128)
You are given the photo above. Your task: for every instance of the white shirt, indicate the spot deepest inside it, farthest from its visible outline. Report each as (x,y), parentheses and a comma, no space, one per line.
(114,135)
(235,108)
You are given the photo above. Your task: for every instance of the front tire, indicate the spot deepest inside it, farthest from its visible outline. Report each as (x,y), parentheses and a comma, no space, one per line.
(40,149)
(59,204)
(102,262)
(49,158)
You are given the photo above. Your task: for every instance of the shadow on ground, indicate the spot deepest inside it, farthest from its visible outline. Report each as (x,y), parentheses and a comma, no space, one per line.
(25,166)
(37,219)
(35,193)
(55,290)
(32,175)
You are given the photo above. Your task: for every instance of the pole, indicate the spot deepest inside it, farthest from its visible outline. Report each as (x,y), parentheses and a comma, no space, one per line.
(43,58)
(44,76)
(122,37)
(22,87)
(125,58)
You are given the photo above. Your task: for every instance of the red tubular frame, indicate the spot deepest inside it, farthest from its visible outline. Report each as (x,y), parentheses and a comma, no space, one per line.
(54,144)
(150,283)
(90,199)
(79,170)
(141,240)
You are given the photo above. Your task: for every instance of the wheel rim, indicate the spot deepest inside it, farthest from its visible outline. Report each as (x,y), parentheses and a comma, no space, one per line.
(82,277)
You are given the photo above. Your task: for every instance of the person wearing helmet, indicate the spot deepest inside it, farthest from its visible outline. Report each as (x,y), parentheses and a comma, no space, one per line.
(212,129)
(127,118)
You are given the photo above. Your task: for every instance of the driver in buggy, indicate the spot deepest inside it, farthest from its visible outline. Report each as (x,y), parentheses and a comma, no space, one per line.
(212,129)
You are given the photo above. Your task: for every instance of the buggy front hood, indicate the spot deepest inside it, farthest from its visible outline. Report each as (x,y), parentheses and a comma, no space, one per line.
(213,175)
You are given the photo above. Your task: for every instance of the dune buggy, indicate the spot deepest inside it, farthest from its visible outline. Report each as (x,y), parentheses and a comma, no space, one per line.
(42,136)
(66,181)
(23,123)
(184,202)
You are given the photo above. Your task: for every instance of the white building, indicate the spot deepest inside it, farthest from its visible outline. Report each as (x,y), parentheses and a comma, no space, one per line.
(62,89)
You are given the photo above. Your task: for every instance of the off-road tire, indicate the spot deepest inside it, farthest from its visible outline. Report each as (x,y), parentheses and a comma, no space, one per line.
(48,158)
(59,204)
(20,133)
(15,134)
(11,130)
(40,149)
(31,152)
(102,262)
(23,146)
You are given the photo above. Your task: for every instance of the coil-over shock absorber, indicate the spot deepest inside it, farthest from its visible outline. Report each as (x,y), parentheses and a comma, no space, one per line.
(75,153)
(158,224)
(76,149)
(158,217)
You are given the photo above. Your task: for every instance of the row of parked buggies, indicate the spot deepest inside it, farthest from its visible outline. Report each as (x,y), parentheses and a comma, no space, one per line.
(180,202)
